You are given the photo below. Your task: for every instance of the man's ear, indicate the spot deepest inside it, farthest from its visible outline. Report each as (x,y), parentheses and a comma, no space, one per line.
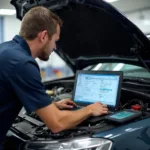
(43,36)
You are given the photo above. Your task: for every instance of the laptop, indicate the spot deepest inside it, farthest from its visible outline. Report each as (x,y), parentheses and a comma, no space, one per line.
(98,86)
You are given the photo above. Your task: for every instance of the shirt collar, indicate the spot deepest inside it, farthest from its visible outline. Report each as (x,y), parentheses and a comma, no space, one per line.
(22,43)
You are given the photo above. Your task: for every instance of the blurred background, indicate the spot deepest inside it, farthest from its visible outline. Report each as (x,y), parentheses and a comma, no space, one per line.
(138,11)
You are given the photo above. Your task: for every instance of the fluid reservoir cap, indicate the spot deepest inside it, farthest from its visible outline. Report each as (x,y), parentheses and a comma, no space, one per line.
(136,107)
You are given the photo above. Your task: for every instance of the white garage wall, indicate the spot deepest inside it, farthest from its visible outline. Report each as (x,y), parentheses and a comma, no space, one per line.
(1,29)
(11,27)
(141,19)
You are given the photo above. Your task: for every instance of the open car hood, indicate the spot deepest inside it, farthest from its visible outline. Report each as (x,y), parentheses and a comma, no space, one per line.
(93,31)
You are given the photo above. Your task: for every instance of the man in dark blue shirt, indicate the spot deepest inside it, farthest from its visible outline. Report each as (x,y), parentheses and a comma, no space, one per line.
(20,81)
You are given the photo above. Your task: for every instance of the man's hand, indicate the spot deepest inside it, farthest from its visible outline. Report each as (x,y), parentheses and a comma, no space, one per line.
(65,104)
(98,109)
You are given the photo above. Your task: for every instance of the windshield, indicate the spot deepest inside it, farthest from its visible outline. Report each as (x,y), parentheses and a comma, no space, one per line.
(128,70)
(56,68)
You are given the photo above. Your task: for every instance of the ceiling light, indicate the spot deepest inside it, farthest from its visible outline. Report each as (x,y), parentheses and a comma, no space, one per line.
(7,12)
(146,22)
(148,36)
(110,1)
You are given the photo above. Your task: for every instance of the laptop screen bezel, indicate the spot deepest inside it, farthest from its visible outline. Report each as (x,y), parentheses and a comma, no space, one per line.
(118,73)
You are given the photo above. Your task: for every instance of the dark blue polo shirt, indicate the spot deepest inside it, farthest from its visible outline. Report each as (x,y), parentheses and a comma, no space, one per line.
(20,83)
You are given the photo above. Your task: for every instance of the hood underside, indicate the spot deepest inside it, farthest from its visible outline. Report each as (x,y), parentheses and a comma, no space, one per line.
(92,29)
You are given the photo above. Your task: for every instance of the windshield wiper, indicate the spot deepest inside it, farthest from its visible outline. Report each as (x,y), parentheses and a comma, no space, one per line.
(138,80)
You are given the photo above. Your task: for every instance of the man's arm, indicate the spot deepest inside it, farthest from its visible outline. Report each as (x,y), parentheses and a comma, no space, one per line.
(57,120)
(26,83)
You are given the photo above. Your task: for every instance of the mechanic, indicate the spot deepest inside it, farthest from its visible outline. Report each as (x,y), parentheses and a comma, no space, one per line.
(20,80)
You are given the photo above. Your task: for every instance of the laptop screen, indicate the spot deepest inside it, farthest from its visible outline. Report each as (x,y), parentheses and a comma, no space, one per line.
(91,88)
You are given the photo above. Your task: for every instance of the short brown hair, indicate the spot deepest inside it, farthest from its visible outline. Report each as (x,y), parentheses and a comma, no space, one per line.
(39,19)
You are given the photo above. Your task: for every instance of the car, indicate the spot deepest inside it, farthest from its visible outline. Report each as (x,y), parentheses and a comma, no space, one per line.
(94,36)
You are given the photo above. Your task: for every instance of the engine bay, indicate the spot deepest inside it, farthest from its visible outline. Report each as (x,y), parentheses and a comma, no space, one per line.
(29,127)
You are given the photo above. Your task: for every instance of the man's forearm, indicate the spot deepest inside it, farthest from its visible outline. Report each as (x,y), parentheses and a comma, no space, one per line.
(69,119)
(58,120)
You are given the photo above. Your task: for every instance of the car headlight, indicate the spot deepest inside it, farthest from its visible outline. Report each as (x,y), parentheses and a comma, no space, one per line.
(75,144)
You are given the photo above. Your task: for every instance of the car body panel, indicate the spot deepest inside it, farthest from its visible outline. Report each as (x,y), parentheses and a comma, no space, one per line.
(121,136)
